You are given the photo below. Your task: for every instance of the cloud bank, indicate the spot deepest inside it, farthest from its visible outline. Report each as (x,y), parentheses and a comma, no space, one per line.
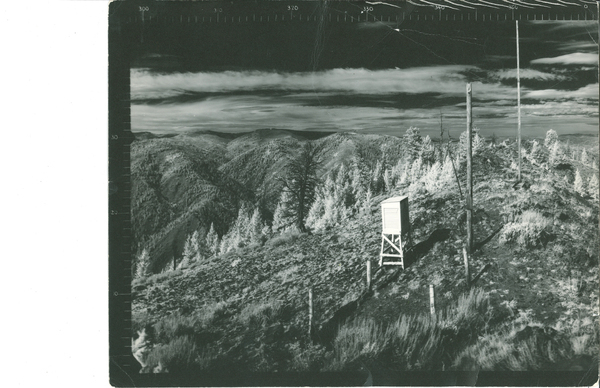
(568,59)
(361,100)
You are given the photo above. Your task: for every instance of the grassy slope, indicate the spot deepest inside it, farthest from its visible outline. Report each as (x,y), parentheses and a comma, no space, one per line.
(247,308)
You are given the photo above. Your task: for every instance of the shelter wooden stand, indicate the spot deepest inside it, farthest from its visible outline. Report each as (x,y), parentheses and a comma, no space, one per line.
(395,235)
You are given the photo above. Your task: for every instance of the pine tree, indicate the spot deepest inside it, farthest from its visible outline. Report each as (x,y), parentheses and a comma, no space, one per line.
(537,154)
(143,265)
(341,176)
(301,182)
(235,241)
(256,227)
(377,183)
(578,184)
(281,217)
(316,213)
(188,251)
(593,187)
(478,142)
(585,159)
(212,241)
(224,244)
(447,173)
(431,179)
(556,154)
(427,151)
(193,247)
(551,138)
(242,223)
(415,170)
(412,141)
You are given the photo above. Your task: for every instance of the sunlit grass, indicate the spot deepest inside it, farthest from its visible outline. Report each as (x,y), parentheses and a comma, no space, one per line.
(414,342)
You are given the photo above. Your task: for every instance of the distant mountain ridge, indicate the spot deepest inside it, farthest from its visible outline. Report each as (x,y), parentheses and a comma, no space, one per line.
(203,177)
(264,133)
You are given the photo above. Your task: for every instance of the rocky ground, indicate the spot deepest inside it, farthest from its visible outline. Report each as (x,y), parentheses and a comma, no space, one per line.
(250,307)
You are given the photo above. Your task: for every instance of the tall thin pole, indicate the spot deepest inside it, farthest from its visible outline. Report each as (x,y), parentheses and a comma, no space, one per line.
(369,275)
(467,268)
(469,171)
(518,102)
(310,312)
(431,300)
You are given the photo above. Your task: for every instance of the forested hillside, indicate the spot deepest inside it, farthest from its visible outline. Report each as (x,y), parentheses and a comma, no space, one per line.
(232,231)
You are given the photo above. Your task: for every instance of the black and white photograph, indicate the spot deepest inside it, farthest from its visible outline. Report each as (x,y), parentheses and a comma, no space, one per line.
(349,193)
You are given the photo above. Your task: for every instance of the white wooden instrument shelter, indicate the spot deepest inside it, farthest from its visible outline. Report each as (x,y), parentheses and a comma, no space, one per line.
(395,233)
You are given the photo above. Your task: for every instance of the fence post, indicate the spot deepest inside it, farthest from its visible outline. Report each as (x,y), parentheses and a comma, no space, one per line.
(469,171)
(310,311)
(467,269)
(431,300)
(369,275)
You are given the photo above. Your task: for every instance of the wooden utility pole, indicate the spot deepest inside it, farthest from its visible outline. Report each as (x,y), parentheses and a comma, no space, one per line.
(467,268)
(310,312)
(469,171)
(369,275)
(518,103)
(431,301)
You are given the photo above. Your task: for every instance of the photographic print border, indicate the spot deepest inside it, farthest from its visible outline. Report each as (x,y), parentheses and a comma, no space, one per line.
(123,35)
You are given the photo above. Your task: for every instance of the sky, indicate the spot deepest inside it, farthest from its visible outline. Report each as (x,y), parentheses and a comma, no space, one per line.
(371,77)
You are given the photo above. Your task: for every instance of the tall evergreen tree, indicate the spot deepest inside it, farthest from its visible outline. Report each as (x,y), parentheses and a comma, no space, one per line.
(556,154)
(551,138)
(281,217)
(412,141)
(427,151)
(377,183)
(256,226)
(142,268)
(431,180)
(416,170)
(585,159)
(212,240)
(301,182)
(578,185)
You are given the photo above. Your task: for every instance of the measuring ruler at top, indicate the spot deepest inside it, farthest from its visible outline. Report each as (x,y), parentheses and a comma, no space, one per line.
(358,11)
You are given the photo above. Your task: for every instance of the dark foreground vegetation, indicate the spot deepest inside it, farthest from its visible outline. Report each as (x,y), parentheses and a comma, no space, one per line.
(225,256)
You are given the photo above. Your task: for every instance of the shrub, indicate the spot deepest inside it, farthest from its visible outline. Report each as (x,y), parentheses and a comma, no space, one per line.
(262,313)
(531,348)
(176,325)
(414,342)
(178,355)
(287,237)
(529,230)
